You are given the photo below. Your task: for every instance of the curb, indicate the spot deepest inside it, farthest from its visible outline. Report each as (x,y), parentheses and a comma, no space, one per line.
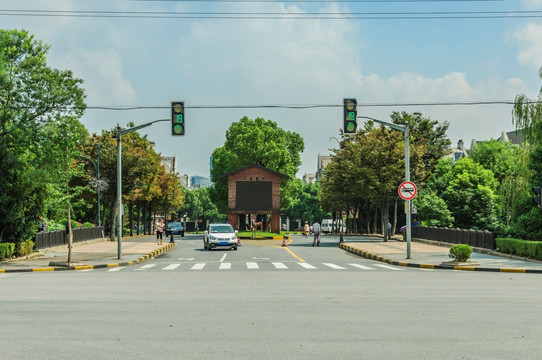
(155,253)
(371,256)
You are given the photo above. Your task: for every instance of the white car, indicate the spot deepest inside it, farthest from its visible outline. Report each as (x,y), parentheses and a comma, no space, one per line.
(219,235)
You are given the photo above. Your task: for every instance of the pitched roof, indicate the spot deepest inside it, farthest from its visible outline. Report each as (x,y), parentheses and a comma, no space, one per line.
(256,166)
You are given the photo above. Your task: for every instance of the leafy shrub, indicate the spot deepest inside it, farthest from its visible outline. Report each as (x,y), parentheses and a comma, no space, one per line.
(523,248)
(460,252)
(6,250)
(24,248)
(529,226)
(87,225)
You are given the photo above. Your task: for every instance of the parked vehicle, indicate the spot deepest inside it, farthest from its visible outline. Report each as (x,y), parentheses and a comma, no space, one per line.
(219,235)
(175,228)
(328,226)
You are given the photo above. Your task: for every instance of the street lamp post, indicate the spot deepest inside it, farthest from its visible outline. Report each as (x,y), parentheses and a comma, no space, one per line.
(119,134)
(404,129)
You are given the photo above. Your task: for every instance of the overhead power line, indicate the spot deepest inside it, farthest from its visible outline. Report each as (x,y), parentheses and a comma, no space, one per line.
(310,106)
(278,15)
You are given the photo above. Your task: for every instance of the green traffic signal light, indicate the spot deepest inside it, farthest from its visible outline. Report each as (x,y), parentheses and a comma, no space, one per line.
(177,118)
(350,116)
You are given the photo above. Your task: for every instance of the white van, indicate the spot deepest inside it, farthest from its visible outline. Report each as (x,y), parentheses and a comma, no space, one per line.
(327,226)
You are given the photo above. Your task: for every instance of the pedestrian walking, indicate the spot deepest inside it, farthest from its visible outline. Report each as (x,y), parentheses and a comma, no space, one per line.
(316,230)
(159,231)
(306,229)
(389,230)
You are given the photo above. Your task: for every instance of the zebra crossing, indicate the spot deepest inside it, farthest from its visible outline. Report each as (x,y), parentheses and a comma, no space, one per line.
(254,266)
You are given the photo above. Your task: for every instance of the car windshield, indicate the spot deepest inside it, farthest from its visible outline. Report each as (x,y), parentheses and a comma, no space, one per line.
(221,229)
(175,224)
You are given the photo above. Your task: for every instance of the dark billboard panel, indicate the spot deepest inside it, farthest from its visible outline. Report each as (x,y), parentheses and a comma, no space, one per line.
(254,195)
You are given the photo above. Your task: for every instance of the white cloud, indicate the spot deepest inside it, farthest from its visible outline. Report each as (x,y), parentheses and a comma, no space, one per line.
(103,75)
(529,38)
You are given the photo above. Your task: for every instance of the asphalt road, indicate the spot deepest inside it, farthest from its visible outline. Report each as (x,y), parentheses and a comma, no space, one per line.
(269,312)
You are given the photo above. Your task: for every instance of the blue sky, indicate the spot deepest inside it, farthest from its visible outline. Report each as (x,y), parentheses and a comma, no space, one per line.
(151,62)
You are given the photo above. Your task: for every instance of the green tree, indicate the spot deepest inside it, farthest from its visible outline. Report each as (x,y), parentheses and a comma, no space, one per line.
(35,101)
(433,209)
(260,142)
(426,133)
(306,205)
(469,192)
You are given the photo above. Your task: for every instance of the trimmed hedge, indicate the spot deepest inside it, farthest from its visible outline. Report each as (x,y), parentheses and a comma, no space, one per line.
(523,248)
(24,248)
(6,250)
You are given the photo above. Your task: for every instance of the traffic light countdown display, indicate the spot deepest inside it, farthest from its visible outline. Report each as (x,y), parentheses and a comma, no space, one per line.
(177,118)
(537,199)
(350,116)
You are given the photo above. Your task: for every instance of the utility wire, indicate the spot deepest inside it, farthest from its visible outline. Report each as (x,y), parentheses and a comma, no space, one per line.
(292,106)
(278,15)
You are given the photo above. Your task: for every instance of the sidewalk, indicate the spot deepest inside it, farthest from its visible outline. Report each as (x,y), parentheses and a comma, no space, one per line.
(93,254)
(431,255)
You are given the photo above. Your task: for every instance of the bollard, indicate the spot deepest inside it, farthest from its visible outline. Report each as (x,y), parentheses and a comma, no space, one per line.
(284,241)
(341,240)
(171,240)
(238,241)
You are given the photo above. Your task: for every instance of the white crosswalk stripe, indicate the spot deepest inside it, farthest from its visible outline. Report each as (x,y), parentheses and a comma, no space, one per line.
(333,266)
(307,266)
(119,268)
(279,265)
(171,267)
(390,267)
(252,265)
(198,266)
(225,266)
(145,267)
(359,266)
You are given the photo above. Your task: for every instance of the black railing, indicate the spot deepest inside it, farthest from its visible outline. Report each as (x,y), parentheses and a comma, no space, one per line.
(475,238)
(49,239)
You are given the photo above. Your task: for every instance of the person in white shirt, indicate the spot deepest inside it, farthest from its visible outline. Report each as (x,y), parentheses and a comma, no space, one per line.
(316,229)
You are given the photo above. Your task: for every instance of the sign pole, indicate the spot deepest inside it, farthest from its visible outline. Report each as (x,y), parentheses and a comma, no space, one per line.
(407,178)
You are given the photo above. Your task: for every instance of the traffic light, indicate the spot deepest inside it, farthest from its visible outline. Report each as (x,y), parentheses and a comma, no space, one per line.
(177,118)
(350,114)
(537,200)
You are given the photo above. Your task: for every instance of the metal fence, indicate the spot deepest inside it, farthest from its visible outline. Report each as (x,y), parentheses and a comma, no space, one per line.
(49,239)
(476,238)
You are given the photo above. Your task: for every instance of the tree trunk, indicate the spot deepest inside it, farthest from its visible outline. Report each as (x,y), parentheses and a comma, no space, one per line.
(375,224)
(394,225)
(69,235)
(131,217)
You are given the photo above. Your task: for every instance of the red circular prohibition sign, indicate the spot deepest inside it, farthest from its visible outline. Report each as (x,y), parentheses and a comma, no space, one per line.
(407,190)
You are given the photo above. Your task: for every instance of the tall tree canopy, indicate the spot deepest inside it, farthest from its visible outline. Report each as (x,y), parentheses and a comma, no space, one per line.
(261,142)
(35,102)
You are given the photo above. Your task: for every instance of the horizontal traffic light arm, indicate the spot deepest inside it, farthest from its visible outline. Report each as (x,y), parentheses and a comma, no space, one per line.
(135,128)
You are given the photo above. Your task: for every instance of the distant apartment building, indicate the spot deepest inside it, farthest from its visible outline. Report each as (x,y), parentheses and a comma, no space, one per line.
(309,178)
(197,182)
(323,162)
(170,163)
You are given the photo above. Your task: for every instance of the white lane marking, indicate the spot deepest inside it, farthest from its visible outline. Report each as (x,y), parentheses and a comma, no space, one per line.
(225,266)
(252,265)
(390,267)
(171,267)
(333,266)
(307,266)
(279,265)
(187,259)
(259,258)
(361,266)
(223,257)
(198,266)
(86,270)
(145,267)
(119,268)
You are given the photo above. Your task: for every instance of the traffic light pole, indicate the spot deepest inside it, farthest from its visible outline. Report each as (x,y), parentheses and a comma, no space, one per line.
(121,132)
(404,129)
